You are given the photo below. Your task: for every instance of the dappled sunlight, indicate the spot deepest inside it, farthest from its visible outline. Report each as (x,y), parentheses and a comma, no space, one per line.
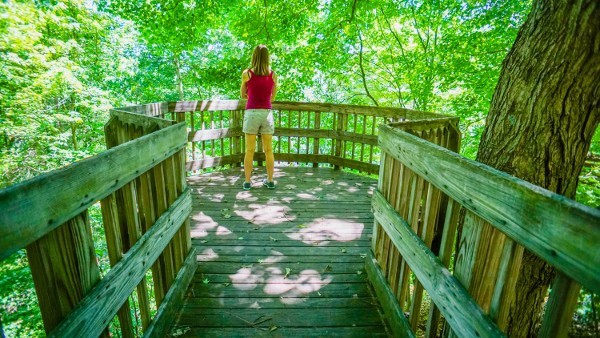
(294,285)
(265,214)
(207,255)
(321,232)
(245,195)
(246,279)
(298,246)
(217,198)
(223,231)
(307,196)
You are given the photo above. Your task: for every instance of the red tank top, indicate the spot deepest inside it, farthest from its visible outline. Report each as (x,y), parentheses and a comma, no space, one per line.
(260,89)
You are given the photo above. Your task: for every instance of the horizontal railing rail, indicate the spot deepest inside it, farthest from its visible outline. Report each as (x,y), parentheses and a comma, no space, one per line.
(430,198)
(140,184)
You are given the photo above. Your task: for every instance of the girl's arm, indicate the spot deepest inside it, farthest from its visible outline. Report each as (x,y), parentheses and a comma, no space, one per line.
(244,88)
(274,87)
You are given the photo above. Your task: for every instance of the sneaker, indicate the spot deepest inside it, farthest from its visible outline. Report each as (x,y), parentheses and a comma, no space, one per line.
(247,186)
(270,185)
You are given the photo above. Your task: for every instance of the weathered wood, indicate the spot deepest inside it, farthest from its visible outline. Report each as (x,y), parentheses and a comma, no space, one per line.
(260,156)
(64,269)
(353,164)
(560,307)
(446,249)
(150,109)
(287,317)
(290,251)
(217,105)
(148,123)
(101,304)
(425,124)
(317,126)
(276,302)
(173,299)
(114,246)
(213,134)
(28,213)
(505,290)
(264,331)
(461,312)
(559,230)
(398,323)
(239,271)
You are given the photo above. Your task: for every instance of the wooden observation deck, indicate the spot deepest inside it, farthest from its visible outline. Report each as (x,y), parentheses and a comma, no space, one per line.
(373,230)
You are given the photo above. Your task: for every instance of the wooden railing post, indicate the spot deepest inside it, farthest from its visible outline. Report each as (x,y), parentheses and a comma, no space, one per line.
(339,127)
(237,140)
(114,244)
(64,268)
(316,139)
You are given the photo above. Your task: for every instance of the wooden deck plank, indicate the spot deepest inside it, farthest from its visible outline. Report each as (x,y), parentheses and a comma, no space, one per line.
(294,255)
(282,317)
(265,331)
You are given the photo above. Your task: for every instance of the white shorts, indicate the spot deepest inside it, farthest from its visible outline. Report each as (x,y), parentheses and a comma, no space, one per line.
(258,121)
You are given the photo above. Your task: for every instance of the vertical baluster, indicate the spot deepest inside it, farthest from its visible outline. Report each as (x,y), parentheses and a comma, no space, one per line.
(354,132)
(114,247)
(192,131)
(222,153)
(212,127)
(373,129)
(317,126)
(362,145)
(298,138)
(64,268)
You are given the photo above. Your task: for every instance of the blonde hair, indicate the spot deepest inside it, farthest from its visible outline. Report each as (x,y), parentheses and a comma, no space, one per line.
(260,60)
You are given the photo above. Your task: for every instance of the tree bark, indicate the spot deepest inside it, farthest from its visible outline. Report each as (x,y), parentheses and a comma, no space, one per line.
(543,115)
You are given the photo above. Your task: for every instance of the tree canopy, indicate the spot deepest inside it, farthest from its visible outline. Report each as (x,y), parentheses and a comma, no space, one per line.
(63,65)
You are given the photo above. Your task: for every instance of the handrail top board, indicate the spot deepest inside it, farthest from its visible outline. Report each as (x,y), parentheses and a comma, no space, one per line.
(154,109)
(559,230)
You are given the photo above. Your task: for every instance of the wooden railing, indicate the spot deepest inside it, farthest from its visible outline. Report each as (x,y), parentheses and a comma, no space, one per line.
(307,133)
(145,204)
(430,198)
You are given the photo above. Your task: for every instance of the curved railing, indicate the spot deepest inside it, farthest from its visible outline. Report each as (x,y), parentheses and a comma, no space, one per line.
(338,135)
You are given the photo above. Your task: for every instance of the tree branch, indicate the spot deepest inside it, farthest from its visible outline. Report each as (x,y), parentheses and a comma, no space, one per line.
(362,70)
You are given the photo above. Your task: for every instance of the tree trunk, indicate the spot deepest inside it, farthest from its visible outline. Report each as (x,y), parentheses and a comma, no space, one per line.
(543,115)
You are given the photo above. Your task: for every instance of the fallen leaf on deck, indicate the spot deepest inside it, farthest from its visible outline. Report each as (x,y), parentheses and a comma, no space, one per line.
(328,268)
(287,272)
(273,328)
(180,331)
(205,281)
(363,255)
(273,239)
(343,250)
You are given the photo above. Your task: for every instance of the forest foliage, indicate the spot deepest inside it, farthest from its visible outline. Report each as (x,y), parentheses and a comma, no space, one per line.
(63,65)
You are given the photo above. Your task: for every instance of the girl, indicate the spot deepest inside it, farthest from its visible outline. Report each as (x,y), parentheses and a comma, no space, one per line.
(259,88)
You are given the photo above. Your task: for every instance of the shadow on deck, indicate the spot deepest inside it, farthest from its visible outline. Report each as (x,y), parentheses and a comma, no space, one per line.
(283,262)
